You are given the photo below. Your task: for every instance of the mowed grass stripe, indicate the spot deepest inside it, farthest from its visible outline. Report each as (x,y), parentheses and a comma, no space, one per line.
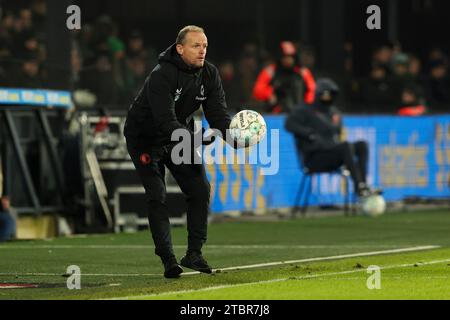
(267,242)
(305,277)
(342,256)
(253,266)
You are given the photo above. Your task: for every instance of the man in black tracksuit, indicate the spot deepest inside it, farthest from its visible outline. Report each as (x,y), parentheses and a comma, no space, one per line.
(177,87)
(317,129)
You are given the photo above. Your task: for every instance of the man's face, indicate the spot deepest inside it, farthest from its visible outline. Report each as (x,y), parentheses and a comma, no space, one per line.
(193,50)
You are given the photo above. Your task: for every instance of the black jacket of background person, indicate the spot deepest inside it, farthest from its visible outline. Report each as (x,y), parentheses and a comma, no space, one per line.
(171,94)
(313,125)
(312,129)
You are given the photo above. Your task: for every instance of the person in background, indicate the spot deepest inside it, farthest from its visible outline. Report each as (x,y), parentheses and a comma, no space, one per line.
(317,130)
(134,75)
(136,48)
(382,56)
(400,75)
(285,84)
(39,13)
(98,78)
(412,103)
(29,75)
(377,94)
(437,86)
(139,61)
(415,68)
(7,222)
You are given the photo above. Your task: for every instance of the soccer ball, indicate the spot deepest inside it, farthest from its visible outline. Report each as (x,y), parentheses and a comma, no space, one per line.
(374,205)
(248,128)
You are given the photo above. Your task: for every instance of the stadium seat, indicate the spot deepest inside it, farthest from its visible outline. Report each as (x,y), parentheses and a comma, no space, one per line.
(304,194)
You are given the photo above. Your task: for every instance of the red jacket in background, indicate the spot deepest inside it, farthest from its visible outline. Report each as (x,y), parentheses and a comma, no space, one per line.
(263,89)
(412,111)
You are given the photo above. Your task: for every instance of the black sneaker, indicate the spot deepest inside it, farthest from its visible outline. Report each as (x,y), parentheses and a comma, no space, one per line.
(171,268)
(194,260)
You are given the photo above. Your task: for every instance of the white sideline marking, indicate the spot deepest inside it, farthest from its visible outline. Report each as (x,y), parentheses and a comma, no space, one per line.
(277,280)
(218,246)
(343,256)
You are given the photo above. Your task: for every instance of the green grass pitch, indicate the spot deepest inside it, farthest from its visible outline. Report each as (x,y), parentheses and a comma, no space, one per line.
(124,265)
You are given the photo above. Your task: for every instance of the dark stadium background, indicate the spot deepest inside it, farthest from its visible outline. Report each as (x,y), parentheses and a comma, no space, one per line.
(243,33)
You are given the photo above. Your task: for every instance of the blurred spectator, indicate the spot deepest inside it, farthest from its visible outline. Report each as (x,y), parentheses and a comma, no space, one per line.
(437,86)
(7,221)
(350,84)
(106,40)
(6,25)
(85,39)
(115,44)
(415,66)
(30,45)
(376,91)
(308,58)
(317,130)
(26,18)
(76,62)
(135,75)
(400,75)
(437,54)
(30,74)
(412,103)
(285,84)
(415,73)
(3,75)
(348,57)
(39,11)
(22,30)
(98,79)
(136,48)
(400,64)
(382,56)
(6,30)
(139,61)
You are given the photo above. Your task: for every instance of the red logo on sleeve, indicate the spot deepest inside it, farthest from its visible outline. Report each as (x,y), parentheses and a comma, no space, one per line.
(145,158)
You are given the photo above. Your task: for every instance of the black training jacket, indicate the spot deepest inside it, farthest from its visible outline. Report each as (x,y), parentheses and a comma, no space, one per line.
(171,94)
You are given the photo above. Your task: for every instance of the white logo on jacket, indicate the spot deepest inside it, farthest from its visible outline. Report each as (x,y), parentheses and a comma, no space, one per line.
(177,94)
(202,93)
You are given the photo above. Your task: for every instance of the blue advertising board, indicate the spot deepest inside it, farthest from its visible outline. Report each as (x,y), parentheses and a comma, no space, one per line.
(33,97)
(407,157)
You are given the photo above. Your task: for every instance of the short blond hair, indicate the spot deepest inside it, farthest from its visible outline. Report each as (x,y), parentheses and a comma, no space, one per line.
(183,32)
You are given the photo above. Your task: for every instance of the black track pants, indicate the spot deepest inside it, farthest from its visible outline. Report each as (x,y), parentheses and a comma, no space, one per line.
(191,178)
(353,156)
